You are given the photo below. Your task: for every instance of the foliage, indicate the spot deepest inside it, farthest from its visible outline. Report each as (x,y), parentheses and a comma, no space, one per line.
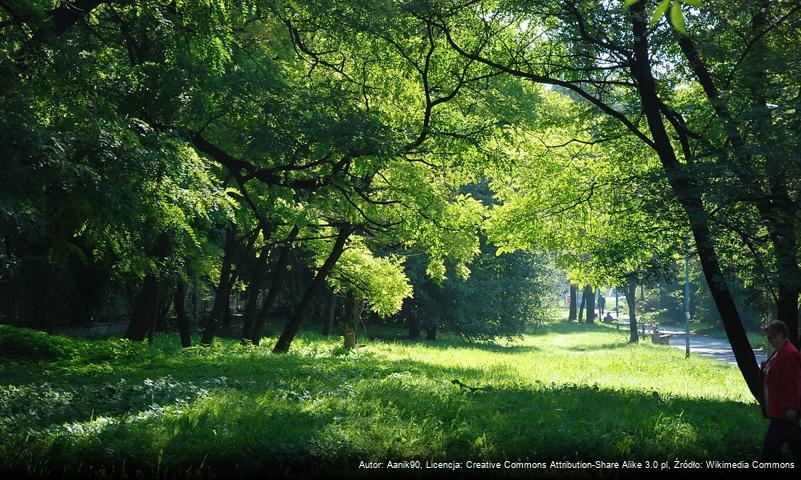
(504,296)
(179,120)
(380,280)
(27,344)
(599,205)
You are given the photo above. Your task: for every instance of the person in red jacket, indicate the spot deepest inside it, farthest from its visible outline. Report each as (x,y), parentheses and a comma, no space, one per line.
(781,382)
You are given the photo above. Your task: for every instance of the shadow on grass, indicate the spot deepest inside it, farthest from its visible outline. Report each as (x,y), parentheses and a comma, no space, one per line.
(247,411)
(452,343)
(599,347)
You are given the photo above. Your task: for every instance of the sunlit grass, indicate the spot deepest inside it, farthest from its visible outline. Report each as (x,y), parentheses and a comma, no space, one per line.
(567,391)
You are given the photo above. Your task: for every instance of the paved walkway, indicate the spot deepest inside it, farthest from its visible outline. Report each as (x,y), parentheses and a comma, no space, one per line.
(705,345)
(699,344)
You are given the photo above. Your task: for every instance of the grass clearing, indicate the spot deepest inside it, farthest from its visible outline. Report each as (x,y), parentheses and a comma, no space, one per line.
(576,392)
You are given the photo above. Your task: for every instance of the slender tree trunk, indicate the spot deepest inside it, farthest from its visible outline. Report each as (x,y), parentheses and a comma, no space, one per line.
(144,309)
(252,293)
(590,303)
(630,292)
(180,314)
(251,309)
(195,301)
(431,333)
(229,310)
(223,289)
(328,330)
(279,272)
(353,312)
(409,312)
(295,281)
(228,316)
(571,316)
(164,308)
(154,320)
(294,322)
(688,195)
(786,247)
(582,305)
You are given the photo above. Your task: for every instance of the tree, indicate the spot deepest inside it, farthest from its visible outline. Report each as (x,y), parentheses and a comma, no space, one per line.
(597,204)
(607,55)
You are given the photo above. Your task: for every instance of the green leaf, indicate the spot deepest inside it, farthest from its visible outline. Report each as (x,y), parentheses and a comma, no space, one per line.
(629,3)
(694,3)
(660,10)
(676,17)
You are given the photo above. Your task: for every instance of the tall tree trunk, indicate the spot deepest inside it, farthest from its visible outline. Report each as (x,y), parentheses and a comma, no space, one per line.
(293,323)
(597,297)
(328,330)
(688,195)
(581,307)
(180,314)
(229,310)
(630,292)
(786,247)
(144,309)
(777,209)
(279,273)
(252,293)
(409,312)
(223,289)
(353,312)
(295,280)
(589,294)
(228,315)
(571,316)
(195,300)
(431,332)
(151,330)
(163,312)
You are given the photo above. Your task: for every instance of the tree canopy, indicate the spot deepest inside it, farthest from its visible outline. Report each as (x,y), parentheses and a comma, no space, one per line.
(151,146)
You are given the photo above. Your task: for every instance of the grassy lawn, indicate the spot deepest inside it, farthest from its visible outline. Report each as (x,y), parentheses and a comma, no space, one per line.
(576,392)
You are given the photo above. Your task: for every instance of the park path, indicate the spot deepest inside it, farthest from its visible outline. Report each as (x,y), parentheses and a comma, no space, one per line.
(705,345)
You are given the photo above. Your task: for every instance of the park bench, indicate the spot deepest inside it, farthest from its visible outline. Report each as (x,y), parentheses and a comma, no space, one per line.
(660,338)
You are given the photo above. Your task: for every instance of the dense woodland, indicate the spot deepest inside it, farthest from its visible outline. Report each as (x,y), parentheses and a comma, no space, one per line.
(433,163)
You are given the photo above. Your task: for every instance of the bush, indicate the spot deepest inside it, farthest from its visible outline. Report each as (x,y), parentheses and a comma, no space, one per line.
(27,344)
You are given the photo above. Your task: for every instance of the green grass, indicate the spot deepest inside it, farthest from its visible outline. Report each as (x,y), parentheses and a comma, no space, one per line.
(565,392)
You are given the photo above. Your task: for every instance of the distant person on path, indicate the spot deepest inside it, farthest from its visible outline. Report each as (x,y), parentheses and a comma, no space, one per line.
(601,304)
(781,381)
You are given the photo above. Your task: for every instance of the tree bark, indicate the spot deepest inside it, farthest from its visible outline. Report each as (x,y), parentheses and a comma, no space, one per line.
(227,315)
(789,276)
(582,305)
(409,311)
(151,330)
(431,333)
(328,330)
(589,294)
(689,197)
(353,312)
(571,316)
(223,289)
(144,309)
(774,204)
(180,314)
(279,272)
(296,319)
(630,292)
(254,288)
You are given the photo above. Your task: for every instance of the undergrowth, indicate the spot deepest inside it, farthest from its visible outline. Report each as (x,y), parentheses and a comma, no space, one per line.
(579,392)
